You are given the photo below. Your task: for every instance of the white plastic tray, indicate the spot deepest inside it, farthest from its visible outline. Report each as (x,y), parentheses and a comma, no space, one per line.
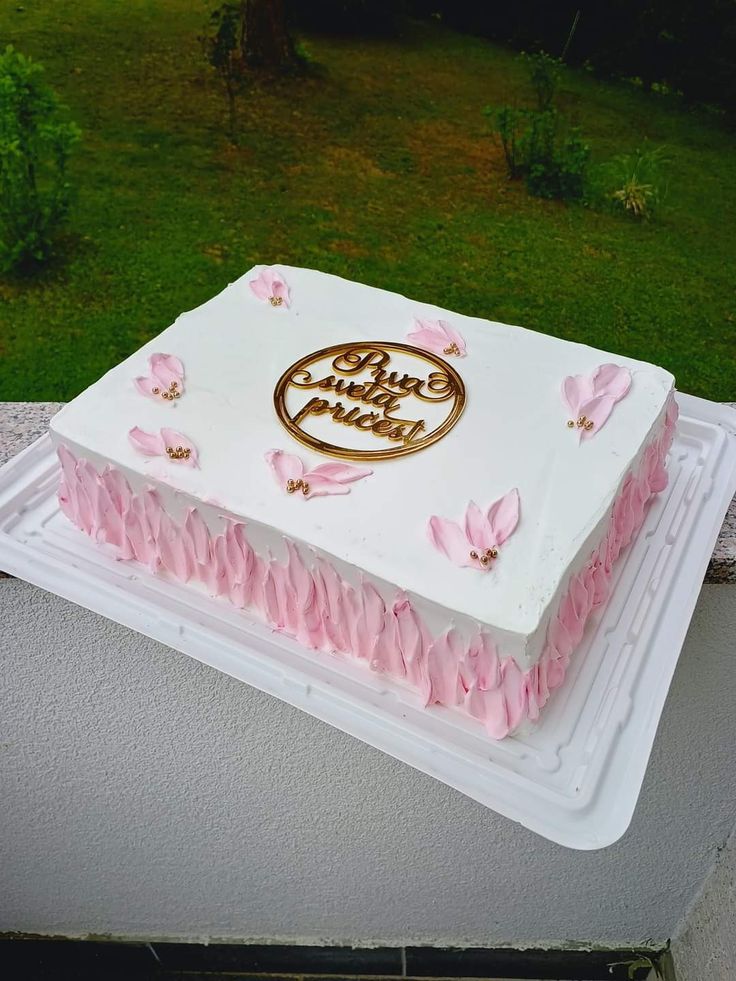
(575,779)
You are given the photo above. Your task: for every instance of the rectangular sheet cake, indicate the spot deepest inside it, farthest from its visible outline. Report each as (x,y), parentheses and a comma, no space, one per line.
(439,496)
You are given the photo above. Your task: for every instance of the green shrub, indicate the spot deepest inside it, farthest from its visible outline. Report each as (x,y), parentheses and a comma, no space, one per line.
(544,75)
(35,142)
(510,124)
(633,183)
(556,164)
(552,162)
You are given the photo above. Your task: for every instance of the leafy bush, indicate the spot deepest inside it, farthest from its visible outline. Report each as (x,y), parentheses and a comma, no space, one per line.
(552,162)
(556,165)
(544,75)
(510,124)
(35,142)
(633,182)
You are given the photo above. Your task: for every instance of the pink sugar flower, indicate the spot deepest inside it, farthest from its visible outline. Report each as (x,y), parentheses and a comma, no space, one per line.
(328,478)
(476,544)
(167,443)
(437,336)
(270,285)
(166,378)
(591,398)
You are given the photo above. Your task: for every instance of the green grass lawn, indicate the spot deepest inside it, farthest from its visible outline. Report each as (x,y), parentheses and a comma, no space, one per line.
(383,171)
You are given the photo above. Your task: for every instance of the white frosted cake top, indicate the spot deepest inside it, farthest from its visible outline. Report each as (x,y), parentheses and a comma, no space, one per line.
(512,433)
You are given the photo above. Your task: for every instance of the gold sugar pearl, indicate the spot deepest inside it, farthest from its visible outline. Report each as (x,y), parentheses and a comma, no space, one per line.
(570,423)
(177,395)
(170,450)
(275,301)
(493,552)
(589,424)
(156,391)
(474,554)
(484,560)
(305,489)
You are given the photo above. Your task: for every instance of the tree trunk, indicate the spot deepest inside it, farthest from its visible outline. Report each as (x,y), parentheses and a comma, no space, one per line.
(266,42)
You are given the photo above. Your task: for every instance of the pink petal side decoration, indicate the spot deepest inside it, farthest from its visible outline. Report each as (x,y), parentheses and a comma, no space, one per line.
(438,336)
(503,516)
(149,444)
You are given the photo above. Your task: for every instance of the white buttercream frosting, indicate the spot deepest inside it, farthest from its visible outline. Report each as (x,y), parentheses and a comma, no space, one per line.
(512,433)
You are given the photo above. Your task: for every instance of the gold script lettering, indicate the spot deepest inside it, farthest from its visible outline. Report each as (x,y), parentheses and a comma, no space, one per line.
(363,374)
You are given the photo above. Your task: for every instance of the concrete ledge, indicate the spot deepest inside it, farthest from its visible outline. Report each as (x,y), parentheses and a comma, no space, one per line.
(22,422)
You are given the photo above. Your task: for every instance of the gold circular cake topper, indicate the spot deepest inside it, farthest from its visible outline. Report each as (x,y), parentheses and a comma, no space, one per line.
(343,398)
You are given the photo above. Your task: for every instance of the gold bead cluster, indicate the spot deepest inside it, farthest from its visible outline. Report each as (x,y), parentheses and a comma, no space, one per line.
(452,349)
(582,423)
(294,485)
(169,394)
(485,557)
(275,301)
(178,452)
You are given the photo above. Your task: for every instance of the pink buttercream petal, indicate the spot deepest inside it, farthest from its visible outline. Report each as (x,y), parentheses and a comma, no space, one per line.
(285,467)
(436,336)
(478,528)
(342,473)
(449,538)
(146,384)
(149,444)
(270,283)
(281,290)
(174,438)
(261,286)
(595,395)
(430,340)
(322,486)
(454,337)
(613,380)
(443,659)
(574,392)
(166,368)
(503,517)
(596,410)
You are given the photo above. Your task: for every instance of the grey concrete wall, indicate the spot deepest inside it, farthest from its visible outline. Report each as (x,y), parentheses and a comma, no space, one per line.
(705,944)
(143,794)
